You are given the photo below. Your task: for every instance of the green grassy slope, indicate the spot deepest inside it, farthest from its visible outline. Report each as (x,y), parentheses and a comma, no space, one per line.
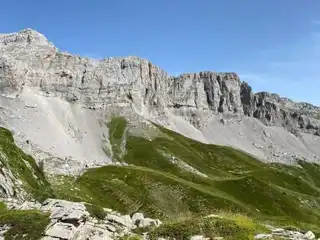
(173,177)
(116,134)
(235,227)
(158,182)
(23,167)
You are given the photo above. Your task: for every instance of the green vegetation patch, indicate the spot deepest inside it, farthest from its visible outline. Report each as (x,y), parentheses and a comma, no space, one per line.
(117,127)
(132,189)
(96,211)
(23,167)
(162,181)
(27,225)
(231,181)
(229,228)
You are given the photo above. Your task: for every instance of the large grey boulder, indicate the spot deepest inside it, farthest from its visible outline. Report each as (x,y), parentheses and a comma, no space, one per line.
(65,210)
(309,235)
(61,230)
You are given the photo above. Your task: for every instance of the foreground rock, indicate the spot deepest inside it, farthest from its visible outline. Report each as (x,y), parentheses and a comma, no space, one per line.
(277,233)
(71,220)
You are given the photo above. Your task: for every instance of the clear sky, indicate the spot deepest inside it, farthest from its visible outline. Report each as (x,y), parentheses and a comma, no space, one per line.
(272,44)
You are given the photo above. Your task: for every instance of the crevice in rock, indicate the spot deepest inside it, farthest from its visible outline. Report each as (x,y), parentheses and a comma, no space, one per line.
(150,69)
(129,96)
(221,102)
(74,222)
(83,74)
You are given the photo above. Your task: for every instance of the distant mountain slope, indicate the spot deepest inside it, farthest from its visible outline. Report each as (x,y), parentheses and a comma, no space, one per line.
(169,176)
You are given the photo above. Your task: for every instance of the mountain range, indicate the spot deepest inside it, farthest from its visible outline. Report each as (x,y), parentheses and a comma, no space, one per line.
(121,133)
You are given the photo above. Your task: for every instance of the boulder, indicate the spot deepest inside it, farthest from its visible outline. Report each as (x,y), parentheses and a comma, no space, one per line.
(137,217)
(61,230)
(117,220)
(30,205)
(199,237)
(128,221)
(65,210)
(263,236)
(148,222)
(309,235)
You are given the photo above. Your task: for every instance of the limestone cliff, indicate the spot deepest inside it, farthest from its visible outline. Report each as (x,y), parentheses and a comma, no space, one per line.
(38,80)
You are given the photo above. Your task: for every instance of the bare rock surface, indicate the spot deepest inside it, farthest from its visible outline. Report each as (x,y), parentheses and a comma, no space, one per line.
(57,104)
(279,233)
(71,220)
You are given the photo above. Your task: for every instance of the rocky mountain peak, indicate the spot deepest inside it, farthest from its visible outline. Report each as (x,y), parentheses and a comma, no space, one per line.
(24,37)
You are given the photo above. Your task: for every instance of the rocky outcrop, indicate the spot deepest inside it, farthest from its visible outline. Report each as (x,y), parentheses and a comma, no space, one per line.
(71,220)
(271,109)
(218,92)
(28,59)
(279,233)
(198,96)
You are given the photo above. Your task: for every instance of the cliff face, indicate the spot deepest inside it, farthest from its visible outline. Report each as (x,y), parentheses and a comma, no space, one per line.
(225,93)
(32,69)
(29,59)
(217,92)
(271,109)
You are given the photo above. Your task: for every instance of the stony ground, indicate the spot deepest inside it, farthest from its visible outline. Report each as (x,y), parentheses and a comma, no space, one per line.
(78,221)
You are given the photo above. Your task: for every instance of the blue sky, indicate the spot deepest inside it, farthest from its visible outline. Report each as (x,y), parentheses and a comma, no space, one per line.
(272,44)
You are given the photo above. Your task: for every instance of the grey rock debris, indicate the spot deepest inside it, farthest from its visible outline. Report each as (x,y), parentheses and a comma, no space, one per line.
(286,234)
(70,220)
